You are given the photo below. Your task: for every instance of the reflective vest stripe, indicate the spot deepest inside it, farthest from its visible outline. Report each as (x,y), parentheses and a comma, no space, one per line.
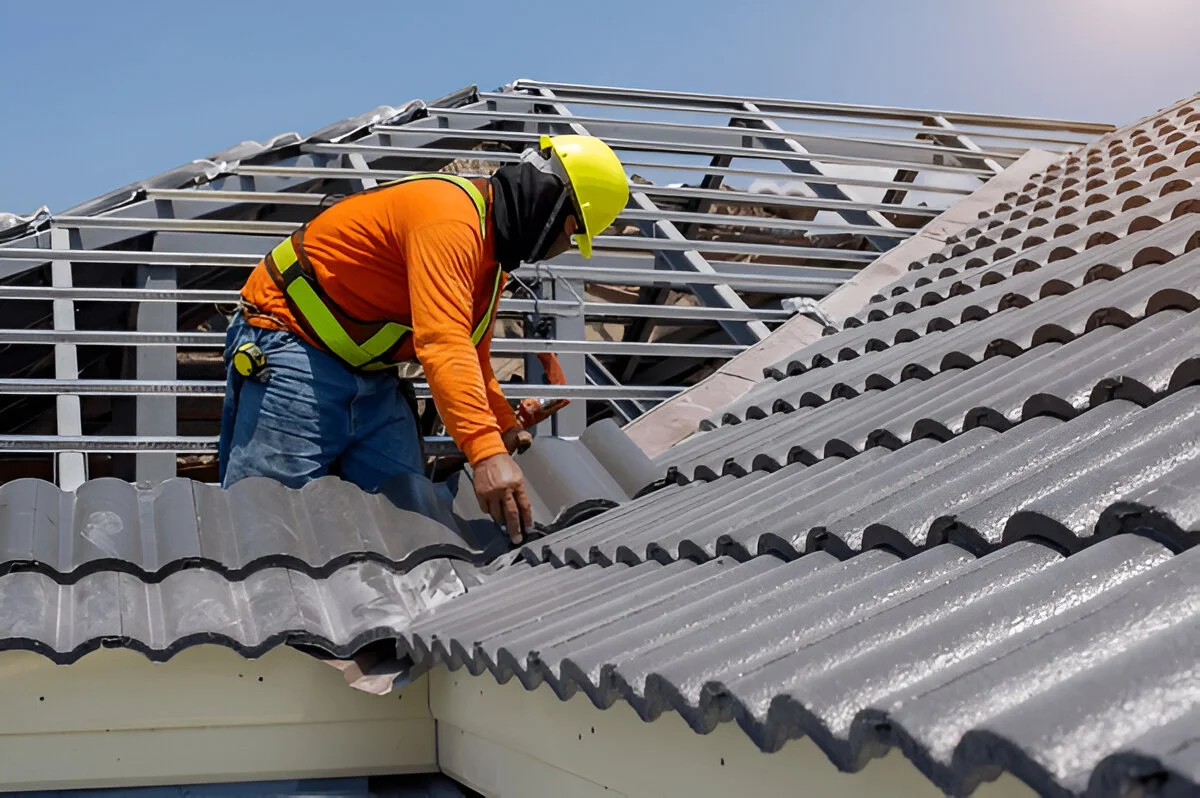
(486,322)
(314,313)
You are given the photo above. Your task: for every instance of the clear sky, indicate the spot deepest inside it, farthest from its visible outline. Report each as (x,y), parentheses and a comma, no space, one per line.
(95,95)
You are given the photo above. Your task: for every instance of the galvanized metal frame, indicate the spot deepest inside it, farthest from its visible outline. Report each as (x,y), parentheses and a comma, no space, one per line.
(94,387)
(142,338)
(182,241)
(71,470)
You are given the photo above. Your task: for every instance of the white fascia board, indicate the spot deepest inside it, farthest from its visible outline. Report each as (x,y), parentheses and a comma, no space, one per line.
(503,740)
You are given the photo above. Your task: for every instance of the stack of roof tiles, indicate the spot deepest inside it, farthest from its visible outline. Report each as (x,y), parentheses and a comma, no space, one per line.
(960,526)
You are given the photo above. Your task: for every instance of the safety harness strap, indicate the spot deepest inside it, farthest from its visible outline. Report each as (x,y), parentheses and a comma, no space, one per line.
(371,344)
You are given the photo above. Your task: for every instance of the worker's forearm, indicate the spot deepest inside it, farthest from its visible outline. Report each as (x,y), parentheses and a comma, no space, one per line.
(483,446)
(459,391)
(505,418)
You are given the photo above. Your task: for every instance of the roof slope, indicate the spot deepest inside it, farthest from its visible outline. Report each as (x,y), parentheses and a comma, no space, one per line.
(960,526)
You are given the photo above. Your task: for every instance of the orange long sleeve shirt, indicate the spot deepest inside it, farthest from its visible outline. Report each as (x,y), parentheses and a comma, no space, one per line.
(411,253)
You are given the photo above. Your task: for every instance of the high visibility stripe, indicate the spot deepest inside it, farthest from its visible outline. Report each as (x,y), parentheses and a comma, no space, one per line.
(383,340)
(284,254)
(332,334)
(330,331)
(486,322)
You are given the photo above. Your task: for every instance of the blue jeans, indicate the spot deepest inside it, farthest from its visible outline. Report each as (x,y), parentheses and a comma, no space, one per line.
(309,415)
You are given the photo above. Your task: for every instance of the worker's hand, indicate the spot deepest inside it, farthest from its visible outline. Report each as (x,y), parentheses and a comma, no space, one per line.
(517,439)
(500,489)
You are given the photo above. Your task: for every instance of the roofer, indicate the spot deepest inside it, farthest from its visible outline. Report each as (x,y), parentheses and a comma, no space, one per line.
(411,269)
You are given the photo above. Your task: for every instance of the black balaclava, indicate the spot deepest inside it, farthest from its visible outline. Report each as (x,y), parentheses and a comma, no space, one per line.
(524,200)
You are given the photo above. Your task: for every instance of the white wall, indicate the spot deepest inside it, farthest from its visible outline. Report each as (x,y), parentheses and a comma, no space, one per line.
(116,719)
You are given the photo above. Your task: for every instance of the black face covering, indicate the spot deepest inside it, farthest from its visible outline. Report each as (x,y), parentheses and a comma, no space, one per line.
(524,200)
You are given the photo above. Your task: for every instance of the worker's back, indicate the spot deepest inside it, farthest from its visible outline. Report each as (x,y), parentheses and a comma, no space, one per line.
(361,248)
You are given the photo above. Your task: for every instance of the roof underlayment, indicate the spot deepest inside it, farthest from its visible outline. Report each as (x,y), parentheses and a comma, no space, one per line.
(959,524)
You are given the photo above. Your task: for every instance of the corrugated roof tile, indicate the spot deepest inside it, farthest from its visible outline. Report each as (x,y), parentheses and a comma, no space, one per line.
(340,612)
(151,532)
(861,654)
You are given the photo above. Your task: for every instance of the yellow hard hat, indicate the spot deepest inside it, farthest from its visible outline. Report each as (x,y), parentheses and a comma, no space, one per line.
(596,179)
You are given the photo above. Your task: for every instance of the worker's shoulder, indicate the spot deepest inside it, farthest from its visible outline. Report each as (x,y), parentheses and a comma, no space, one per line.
(435,199)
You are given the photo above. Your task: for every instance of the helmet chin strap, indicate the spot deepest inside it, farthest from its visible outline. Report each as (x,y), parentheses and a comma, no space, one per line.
(546,163)
(554,226)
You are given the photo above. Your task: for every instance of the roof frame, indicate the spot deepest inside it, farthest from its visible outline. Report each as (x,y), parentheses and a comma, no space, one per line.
(789,200)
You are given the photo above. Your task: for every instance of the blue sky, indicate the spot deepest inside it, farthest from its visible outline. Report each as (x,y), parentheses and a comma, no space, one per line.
(94,95)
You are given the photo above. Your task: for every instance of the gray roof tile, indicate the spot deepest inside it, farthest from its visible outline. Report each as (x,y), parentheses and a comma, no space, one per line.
(1087,646)
(1010,331)
(110,524)
(153,531)
(1098,263)
(1140,363)
(1157,760)
(1150,248)
(1046,477)
(864,653)
(340,612)
(1024,240)
(949,529)
(160,568)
